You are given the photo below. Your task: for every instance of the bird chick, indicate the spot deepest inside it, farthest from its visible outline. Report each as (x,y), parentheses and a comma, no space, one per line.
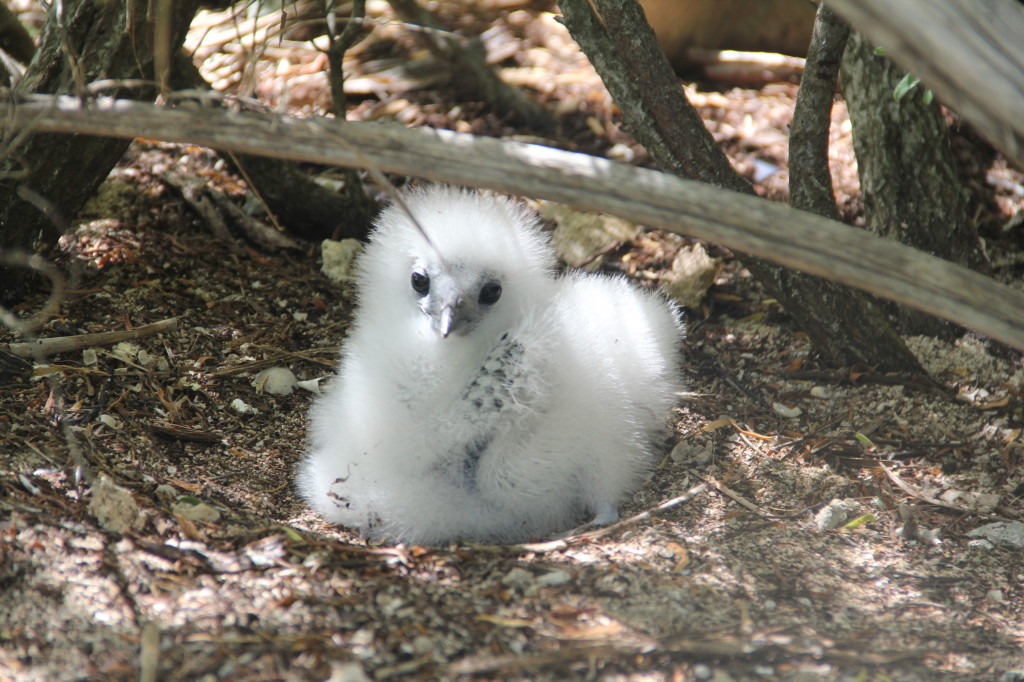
(481,397)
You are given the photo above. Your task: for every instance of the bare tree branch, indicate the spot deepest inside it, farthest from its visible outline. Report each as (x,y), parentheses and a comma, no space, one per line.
(624,51)
(746,223)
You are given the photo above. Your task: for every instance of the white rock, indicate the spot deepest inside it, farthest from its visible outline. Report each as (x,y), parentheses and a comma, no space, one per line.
(114,507)
(836,513)
(1005,533)
(275,381)
(337,258)
(788,412)
(242,407)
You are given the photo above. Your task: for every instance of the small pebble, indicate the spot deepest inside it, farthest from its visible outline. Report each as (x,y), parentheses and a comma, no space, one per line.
(242,407)
(702,671)
(275,381)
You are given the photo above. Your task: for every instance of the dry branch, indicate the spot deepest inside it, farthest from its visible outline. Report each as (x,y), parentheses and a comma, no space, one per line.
(62,344)
(968,52)
(746,223)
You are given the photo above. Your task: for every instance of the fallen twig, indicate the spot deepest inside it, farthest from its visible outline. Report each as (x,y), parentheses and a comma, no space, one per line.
(62,344)
(737,498)
(575,537)
(924,497)
(184,433)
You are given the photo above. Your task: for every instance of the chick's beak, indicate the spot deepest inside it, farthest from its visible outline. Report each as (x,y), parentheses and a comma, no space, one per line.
(446,320)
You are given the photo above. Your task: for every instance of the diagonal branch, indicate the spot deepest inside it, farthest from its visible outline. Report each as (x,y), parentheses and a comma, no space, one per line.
(624,51)
(795,239)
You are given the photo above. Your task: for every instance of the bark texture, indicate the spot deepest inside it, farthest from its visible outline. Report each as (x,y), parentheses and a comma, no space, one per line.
(49,177)
(845,326)
(810,180)
(968,52)
(907,171)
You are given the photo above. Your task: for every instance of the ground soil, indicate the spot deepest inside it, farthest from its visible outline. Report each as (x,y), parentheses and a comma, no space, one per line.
(149,526)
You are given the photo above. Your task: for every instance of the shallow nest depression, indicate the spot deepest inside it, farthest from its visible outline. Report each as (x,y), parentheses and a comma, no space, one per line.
(819,524)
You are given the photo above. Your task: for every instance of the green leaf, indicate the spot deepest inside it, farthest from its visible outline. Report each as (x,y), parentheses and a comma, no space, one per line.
(292,534)
(879,51)
(928,96)
(906,84)
(863,440)
(189,499)
(860,521)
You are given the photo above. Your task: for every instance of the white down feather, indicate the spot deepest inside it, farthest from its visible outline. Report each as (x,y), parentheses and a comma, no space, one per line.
(536,414)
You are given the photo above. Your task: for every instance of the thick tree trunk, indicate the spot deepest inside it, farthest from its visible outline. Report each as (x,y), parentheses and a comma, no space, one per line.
(907,171)
(844,325)
(968,52)
(48,178)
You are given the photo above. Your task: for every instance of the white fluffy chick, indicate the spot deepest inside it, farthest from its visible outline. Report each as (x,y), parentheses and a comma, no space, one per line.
(481,397)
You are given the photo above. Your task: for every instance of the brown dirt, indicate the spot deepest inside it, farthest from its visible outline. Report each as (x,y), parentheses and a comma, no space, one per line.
(735,582)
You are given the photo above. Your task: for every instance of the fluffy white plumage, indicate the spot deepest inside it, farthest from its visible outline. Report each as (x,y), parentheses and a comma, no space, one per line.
(480,397)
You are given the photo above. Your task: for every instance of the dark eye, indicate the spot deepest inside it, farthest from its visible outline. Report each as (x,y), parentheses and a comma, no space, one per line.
(490,293)
(420,283)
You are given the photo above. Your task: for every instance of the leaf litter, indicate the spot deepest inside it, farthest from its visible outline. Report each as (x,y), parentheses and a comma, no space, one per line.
(220,572)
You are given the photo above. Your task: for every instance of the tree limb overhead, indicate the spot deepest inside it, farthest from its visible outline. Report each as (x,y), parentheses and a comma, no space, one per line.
(778,233)
(967,52)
